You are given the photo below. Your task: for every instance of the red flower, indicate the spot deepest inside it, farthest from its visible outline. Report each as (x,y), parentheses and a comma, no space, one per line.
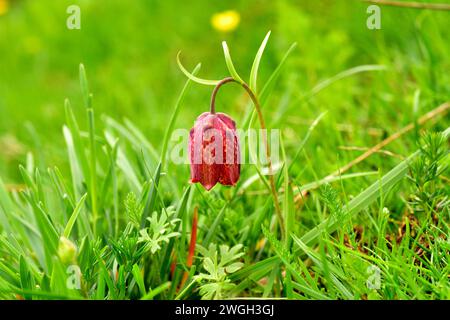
(214,150)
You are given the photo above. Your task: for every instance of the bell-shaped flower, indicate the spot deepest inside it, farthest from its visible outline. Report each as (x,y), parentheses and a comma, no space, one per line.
(214,150)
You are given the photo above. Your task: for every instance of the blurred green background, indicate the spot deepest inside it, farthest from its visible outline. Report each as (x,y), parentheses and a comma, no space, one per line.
(129,49)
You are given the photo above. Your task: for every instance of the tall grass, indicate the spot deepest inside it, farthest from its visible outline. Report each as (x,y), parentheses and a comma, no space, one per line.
(107,230)
(116,219)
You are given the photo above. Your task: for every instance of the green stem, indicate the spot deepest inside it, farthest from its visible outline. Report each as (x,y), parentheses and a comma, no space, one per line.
(93,167)
(262,123)
(216,89)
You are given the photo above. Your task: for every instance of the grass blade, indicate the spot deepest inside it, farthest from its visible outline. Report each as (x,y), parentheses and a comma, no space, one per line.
(74,216)
(264,94)
(230,64)
(193,77)
(256,62)
(152,195)
(344,74)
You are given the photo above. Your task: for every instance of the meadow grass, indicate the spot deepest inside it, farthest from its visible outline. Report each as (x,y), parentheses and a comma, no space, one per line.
(97,210)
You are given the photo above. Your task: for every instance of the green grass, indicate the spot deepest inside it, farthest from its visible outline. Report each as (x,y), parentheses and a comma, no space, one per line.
(96,190)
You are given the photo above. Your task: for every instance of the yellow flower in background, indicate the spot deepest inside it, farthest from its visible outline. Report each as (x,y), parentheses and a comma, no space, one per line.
(4,7)
(226,21)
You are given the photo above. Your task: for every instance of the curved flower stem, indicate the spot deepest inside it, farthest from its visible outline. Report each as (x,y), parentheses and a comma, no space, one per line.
(216,89)
(266,145)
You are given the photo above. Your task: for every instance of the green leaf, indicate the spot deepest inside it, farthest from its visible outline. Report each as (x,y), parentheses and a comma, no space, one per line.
(274,76)
(234,267)
(101,287)
(26,176)
(271,281)
(187,289)
(318,183)
(230,64)
(194,78)
(6,207)
(256,62)
(252,150)
(93,168)
(132,134)
(75,146)
(288,199)
(48,233)
(124,164)
(74,216)
(262,267)
(26,278)
(264,94)
(165,265)
(153,293)
(140,138)
(106,278)
(215,224)
(139,279)
(332,275)
(151,200)
(84,86)
(64,193)
(344,74)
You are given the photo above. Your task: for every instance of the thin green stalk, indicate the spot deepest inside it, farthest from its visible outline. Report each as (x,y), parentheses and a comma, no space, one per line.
(87,97)
(93,166)
(266,145)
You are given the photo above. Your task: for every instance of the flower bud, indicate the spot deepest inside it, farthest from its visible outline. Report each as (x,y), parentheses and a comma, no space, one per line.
(67,251)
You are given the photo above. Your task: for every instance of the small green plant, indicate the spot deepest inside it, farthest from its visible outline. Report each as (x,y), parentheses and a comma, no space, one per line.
(426,171)
(331,198)
(133,210)
(215,283)
(159,230)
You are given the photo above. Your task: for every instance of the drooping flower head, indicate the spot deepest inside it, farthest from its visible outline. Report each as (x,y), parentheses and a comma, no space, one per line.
(214,150)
